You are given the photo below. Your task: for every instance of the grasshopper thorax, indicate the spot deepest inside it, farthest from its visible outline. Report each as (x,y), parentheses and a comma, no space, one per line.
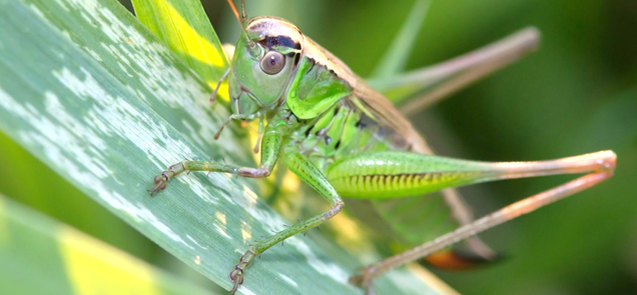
(263,66)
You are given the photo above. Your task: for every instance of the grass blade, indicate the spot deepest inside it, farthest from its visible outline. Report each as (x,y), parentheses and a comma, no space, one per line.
(67,261)
(90,92)
(421,88)
(394,60)
(185,28)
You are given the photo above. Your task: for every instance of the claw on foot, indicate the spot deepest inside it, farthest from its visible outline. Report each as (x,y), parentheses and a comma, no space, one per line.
(236,275)
(356,280)
(363,280)
(162,179)
(160,183)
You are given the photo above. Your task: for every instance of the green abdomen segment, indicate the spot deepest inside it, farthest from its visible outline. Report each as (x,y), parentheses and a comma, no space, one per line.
(392,174)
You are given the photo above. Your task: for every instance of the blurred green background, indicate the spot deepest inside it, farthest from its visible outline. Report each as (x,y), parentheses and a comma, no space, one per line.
(578,94)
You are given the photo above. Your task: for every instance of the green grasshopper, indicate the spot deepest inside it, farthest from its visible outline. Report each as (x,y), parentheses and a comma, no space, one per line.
(345,139)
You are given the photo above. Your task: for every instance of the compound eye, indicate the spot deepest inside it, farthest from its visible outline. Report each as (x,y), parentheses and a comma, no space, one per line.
(272,63)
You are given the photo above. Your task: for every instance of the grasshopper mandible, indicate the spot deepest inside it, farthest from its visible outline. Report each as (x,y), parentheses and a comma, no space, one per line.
(345,139)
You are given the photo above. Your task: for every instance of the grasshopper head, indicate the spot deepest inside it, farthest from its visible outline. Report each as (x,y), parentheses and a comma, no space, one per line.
(263,65)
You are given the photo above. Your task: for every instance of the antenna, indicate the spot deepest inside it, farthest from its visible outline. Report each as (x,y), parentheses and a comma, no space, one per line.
(244,16)
(242,19)
(236,12)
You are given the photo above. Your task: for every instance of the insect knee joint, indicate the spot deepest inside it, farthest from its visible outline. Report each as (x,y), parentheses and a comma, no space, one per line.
(336,208)
(254,173)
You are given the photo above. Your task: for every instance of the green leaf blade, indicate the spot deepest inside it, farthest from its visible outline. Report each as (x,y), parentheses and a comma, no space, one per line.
(394,60)
(93,95)
(185,28)
(66,261)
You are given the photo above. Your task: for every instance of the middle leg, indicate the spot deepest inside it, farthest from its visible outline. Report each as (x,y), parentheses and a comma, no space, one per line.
(311,175)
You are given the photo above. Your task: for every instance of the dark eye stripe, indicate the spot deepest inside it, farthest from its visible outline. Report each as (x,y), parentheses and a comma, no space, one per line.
(286,41)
